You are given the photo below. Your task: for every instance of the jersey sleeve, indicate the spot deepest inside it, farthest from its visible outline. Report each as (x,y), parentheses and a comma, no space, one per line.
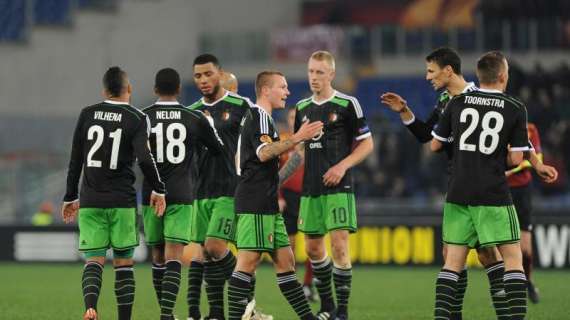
(259,130)
(360,129)
(442,130)
(422,130)
(519,138)
(144,156)
(207,133)
(75,162)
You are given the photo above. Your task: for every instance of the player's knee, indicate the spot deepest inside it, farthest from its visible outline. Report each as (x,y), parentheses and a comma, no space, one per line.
(488,256)
(215,249)
(158,255)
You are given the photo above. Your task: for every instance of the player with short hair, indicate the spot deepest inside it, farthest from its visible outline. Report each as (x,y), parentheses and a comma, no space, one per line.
(328,204)
(260,227)
(109,136)
(213,214)
(488,127)
(443,70)
(175,130)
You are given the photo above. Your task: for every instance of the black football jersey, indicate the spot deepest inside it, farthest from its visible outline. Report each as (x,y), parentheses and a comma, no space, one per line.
(256,191)
(215,173)
(481,126)
(344,123)
(109,136)
(422,130)
(175,131)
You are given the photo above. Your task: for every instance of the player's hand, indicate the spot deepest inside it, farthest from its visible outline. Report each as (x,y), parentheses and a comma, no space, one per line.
(509,173)
(394,101)
(334,174)
(547,173)
(158,202)
(307,131)
(69,211)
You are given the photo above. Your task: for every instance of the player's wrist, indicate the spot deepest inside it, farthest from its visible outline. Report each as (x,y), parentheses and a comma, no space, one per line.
(403,109)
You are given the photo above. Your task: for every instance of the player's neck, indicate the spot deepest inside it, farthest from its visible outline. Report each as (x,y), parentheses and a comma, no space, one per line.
(265,105)
(492,86)
(123,98)
(167,98)
(323,95)
(456,85)
(215,97)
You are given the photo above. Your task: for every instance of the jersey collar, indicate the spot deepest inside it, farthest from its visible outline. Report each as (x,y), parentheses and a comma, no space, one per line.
(324,101)
(167,103)
(215,102)
(490,90)
(469,86)
(116,102)
(263,110)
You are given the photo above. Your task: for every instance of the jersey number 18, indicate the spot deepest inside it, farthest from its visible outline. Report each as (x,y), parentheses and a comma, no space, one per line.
(175,148)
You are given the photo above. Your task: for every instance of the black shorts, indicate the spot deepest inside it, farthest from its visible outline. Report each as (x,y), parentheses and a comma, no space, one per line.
(291,212)
(522,199)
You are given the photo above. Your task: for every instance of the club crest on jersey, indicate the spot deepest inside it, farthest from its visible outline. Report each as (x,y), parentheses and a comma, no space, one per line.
(226,115)
(333,117)
(265,139)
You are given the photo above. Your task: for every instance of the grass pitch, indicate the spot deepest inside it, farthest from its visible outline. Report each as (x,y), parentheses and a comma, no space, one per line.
(53,291)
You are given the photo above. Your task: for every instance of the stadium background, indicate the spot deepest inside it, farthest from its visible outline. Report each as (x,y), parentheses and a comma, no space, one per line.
(54,52)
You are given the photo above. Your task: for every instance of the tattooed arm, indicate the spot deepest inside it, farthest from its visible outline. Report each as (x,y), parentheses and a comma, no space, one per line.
(274,149)
(291,165)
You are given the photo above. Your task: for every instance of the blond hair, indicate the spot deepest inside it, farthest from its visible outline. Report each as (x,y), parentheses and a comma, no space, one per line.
(325,56)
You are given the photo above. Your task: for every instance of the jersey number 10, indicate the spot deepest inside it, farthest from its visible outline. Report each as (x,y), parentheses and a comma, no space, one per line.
(488,130)
(173,143)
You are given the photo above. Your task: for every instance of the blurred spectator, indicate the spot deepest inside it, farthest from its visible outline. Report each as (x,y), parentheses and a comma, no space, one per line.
(44,217)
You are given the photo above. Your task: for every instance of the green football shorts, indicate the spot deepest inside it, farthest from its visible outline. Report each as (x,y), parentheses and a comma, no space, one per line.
(321,214)
(261,232)
(173,226)
(102,228)
(213,218)
(474,226)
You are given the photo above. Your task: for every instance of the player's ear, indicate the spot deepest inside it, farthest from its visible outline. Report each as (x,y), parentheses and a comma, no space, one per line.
(179,89)
(129,89)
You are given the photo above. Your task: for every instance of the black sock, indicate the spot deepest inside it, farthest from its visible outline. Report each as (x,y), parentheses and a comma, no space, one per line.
(216,273)
(342,283)
(239,287)
(157,274)
(195,277)
(252,291)
(445,290)
(92,280)
(515,286)
(293,292)
(170,287)
(456,308)
(125,291)
(322,271)
(495,274)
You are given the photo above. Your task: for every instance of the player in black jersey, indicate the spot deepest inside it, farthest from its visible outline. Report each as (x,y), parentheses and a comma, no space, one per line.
(443,70)
(213,215)
(175,130)
(260,227)
(328,203)
(488,127)
(109,136)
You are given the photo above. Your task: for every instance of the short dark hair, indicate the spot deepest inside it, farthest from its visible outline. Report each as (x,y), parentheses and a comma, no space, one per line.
(446,56)
(206,58)
(264,79)
(115,81)
(167,82)
(489,66)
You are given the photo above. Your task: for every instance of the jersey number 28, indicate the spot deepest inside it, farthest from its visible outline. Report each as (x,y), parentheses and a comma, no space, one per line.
(490,130)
